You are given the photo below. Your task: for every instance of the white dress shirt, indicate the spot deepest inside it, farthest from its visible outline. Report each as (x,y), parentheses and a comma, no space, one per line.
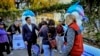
(29,26)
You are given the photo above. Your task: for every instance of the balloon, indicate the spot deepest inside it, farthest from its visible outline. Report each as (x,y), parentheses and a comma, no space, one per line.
(28,13)
(78,11)
(81,28)
(85,19)
(77,8)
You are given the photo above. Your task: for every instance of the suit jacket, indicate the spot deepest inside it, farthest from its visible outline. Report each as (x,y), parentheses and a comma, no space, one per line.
(29,35)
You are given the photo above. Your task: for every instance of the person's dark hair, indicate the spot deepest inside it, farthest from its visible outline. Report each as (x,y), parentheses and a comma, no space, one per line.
(27,18)
(44,23)
(47,19)
(1,19)
(42,19)
(59,29)
(51,22)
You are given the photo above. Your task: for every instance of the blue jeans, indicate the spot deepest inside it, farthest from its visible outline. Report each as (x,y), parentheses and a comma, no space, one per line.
(47,50)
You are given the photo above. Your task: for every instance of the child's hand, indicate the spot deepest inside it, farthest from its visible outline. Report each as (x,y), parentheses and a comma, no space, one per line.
(65,43)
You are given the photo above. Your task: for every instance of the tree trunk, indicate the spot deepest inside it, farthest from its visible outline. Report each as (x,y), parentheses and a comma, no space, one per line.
(89,5)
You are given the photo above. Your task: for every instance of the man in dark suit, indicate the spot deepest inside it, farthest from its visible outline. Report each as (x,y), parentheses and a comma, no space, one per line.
(29,34)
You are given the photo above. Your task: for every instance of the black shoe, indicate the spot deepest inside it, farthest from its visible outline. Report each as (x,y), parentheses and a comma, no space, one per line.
(42,51)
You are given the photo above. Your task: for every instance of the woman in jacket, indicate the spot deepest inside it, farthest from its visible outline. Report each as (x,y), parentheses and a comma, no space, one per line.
(3,40)
(74,38)
(44,31)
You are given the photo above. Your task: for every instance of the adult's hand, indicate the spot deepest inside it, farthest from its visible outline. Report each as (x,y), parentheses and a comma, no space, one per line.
(8,32)
(26,42)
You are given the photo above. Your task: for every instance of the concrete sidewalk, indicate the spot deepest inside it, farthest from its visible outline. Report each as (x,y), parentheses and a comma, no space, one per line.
(18,53)
(24,53)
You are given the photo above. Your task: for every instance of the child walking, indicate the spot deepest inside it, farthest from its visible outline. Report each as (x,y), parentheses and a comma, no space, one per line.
(60,38)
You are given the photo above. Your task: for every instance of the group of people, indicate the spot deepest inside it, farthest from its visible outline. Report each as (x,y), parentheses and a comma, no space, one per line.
(66,34)
(65,38)
(6,36)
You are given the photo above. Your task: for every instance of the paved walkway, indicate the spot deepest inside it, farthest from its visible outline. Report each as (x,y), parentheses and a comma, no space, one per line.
(18,53)
(24,53)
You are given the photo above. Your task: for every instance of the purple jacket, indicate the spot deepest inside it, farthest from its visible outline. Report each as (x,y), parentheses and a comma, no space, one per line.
(3,36)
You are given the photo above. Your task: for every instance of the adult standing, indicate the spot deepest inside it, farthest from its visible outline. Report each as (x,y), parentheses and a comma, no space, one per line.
(60,37)
(46,31)
(29,34)
(44,35)
(74,38)
(13,29)
(52,36)
(3,40)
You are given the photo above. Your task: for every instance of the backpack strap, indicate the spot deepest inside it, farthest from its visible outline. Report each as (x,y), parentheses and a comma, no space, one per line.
(65,39)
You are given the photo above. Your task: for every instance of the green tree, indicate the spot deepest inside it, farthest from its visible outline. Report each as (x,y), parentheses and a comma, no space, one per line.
(36,4)
(7,5)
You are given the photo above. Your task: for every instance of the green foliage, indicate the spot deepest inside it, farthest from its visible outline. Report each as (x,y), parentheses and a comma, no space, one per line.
(98,37)
(7,4)
(52,8)
(11,14)
(35,4)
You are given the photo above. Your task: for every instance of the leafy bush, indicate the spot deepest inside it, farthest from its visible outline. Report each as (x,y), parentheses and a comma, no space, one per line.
(98,37)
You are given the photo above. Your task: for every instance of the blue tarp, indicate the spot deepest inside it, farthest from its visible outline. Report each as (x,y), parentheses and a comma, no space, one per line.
(91,51)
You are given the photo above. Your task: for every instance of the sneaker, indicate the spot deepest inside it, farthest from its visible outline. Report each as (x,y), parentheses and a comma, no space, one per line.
(11,53)
(54,50)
